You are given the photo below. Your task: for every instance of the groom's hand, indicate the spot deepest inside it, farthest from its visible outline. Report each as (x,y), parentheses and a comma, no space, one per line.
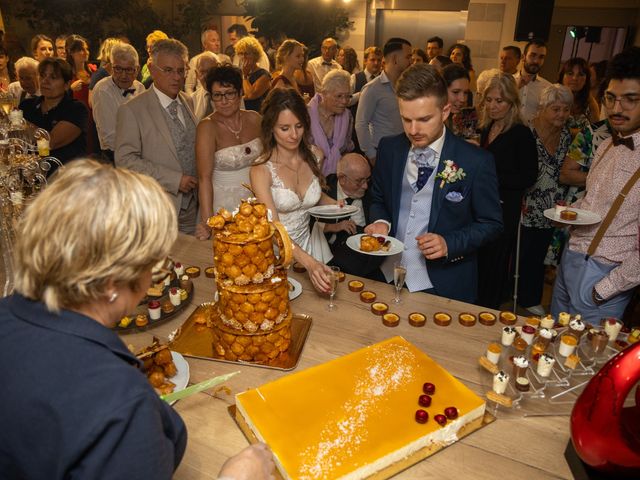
(432,246)
(377,228)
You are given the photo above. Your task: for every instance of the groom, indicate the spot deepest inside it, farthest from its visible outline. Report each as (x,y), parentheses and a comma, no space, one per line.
(434,192)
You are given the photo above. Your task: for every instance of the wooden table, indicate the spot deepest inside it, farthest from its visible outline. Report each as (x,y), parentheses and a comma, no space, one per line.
(513,447)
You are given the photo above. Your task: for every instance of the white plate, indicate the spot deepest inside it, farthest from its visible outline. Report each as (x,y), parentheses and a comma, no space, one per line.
(181,379)
(297,288)
(585,217)
(397,246)
(333,211)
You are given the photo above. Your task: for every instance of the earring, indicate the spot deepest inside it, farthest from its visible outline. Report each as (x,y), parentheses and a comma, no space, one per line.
(113,297)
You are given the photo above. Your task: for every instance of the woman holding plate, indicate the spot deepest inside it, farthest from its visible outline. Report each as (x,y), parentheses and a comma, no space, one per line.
(79,406)
(288,180)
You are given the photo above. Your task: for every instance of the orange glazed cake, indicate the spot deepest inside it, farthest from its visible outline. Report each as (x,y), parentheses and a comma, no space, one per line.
(356,415)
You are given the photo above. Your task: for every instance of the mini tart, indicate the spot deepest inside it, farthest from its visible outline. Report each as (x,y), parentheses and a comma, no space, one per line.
(442,319)
(142,320)
(379,308)
(167,307)
(487,318)
(522,384)
(298,267)
(390,320)
(508,318)
(356,285)
(368,296)
(417,319)
(193,272)
(467,319)
(210,272)
(568,214)
(341,277)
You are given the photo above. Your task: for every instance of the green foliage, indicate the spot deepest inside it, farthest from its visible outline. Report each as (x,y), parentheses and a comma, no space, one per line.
(99,19)
(307,22)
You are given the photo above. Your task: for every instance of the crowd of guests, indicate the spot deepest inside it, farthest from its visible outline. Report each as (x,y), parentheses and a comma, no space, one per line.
(459,167)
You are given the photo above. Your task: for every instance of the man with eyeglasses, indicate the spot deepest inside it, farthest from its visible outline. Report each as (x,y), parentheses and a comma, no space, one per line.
(111,92)
(320,66)
(600,266)
(156,131)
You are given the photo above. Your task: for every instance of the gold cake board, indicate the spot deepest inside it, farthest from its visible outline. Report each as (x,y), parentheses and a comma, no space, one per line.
(394,468)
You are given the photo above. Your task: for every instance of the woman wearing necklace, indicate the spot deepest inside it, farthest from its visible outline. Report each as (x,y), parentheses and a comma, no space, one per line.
(227,144)
(256,81)
(515,154)
(57,112)
(289,58)
(288,180)
(553,138)
(331,120)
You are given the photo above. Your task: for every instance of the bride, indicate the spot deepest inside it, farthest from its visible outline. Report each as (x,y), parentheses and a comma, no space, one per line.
(288,179)
(227,143)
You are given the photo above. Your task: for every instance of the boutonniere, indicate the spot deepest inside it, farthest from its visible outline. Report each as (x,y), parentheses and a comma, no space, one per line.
(451,173)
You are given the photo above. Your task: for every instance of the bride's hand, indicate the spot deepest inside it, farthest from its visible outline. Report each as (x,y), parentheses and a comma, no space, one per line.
(203,232)
(319,276)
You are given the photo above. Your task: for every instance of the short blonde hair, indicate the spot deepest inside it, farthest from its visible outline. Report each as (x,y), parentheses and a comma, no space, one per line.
(105,49)
(93,224)
(249,45)
(156,35)
(506,85)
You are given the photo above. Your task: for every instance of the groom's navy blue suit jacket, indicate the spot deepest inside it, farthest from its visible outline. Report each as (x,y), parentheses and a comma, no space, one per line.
(465,225)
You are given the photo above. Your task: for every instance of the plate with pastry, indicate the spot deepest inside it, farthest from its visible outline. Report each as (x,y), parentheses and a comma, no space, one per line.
(333,211)
(166,370)
(379,245)
(572,216)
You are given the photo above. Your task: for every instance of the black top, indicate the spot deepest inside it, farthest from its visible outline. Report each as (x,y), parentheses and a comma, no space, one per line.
(255,103)
(68,110)
(74,404)
(516,158)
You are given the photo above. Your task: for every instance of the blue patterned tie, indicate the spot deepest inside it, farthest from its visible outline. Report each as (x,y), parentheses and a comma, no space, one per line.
(422,157)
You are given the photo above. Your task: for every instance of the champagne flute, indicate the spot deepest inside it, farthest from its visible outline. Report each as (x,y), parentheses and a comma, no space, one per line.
(399,274)
(334,277)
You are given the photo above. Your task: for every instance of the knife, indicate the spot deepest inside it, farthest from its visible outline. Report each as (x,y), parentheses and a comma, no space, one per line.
(198,387)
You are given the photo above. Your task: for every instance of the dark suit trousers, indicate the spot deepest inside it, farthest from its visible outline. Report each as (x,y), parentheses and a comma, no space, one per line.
(534,243)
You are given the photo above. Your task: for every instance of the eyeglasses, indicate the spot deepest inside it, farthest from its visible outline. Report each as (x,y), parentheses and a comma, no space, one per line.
(128,70)
(359,181)
(627,102)
(168,71)
(218,97)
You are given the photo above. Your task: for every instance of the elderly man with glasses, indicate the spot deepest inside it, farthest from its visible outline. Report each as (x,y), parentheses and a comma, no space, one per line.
(111,92)
(156,131)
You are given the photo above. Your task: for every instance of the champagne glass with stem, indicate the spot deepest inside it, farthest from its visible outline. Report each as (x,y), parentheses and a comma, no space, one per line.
(399,274)
(334,277)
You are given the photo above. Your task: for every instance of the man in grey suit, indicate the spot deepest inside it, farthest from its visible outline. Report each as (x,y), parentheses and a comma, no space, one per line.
(156,130)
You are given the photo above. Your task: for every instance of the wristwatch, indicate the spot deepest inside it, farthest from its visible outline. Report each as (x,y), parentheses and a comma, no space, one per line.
(595,296)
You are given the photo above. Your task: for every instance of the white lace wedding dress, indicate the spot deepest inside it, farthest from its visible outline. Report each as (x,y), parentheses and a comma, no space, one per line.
(294,215)
(230,170)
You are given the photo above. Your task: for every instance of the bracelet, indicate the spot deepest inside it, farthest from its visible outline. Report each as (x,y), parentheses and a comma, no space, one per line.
(595,296)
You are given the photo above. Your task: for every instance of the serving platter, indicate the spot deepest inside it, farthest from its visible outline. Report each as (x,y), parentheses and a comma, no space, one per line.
(333,211)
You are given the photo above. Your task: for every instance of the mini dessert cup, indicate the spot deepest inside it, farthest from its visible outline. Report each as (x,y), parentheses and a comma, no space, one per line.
(612,327)
(599,340)
(500,381)
(522,384)
(493,353)
(545,364)
(537,349)
(560,206)
(527,333)
(508,336)
(174,296)
(520,365)
(545,336)
(547,321)
(520,344)
(577,327)
(155,311)
(185,282)
(568,344)
(563,319)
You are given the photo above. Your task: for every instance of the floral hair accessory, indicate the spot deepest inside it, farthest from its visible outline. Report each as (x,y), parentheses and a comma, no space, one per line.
(451,173)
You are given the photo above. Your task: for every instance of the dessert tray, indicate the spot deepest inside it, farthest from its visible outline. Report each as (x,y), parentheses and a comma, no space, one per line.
(333,211)
(353,242)
(585,217)
(554,394)
(128,324)
(196,339)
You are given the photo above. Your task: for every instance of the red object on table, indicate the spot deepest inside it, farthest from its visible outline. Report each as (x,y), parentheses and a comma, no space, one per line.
(605,435)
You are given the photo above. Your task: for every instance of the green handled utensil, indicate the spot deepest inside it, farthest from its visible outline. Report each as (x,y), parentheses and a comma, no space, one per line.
(198,387)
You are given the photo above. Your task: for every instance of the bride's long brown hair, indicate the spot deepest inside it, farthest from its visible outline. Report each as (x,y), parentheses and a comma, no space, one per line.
(277,101)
